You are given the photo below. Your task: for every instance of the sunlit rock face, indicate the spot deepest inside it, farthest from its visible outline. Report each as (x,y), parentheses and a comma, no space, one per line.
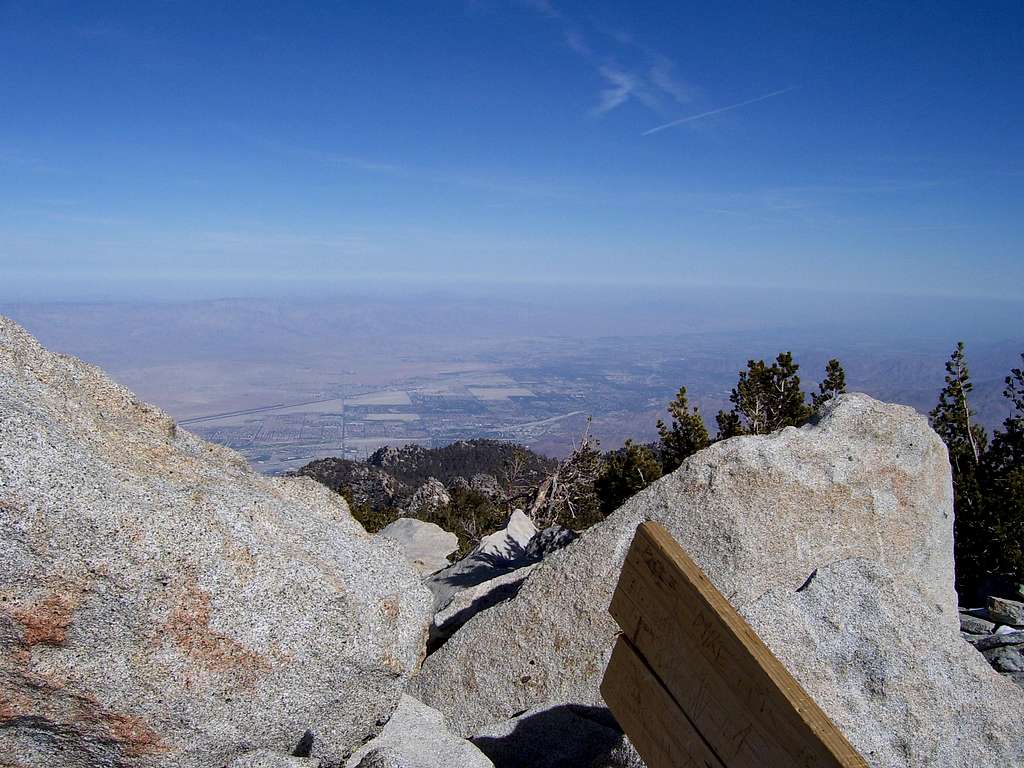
(163,605)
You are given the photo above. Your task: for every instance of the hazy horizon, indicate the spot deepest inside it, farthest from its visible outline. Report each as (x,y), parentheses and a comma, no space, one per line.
(287,380)
(611,309)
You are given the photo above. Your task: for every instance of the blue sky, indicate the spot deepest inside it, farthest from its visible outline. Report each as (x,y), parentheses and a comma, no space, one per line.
(870,146)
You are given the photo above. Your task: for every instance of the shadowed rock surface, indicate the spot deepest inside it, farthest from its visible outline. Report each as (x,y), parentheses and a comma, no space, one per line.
(1009,612)
(490,574)
(497,553)
(467,603)
(161,604)
(560,736)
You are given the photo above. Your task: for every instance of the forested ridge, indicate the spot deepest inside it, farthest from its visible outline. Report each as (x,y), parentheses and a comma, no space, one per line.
(477,483)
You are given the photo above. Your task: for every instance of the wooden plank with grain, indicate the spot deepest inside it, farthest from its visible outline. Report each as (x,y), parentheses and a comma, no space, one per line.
(646,711)
(747,707)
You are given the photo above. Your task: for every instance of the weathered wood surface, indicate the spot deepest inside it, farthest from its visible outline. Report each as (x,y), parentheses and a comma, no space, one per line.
(685,649)
(647,712)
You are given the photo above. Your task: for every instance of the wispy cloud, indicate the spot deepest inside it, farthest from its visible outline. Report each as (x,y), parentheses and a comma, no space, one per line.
(576,42)
(663,77)
(358,163)
(545,7)
(620,87)
(648,79)
(718,111)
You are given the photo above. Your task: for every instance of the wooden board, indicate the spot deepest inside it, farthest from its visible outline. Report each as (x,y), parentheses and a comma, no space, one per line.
(745,707)
(648,713)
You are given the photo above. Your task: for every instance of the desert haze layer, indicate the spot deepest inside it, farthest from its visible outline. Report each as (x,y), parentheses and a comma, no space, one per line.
(285,381)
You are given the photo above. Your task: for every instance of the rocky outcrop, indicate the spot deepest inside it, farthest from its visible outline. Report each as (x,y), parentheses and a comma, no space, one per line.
(369,485)
(417,736)
(389,478)
(903,692)
(862,501)
(426,545)
(430,497)
(491,574)
(488,485)
(163,605)
(497,553)
(998,632)
(466,603)
(1008,612)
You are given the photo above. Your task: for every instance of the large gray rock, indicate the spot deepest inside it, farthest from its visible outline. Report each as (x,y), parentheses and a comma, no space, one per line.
(265,758)
(467,603)
(163,605)
(497,553)
(903,693)
(417,736)
(998,640)
(1005,611)
(975,625)
(870,480)
(512,540)
(1006,658)
(426,545)
(1017,678)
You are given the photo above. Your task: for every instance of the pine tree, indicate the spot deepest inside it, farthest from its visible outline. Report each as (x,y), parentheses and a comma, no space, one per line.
(1007,449)
(626,472)
(953,420)
(766,398)
(729,425)
(686,436)
(833,385)
(1002,481)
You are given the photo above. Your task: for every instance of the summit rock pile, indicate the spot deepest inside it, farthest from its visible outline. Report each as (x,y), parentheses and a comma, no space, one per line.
(997,631)
(834,540)
(162,605)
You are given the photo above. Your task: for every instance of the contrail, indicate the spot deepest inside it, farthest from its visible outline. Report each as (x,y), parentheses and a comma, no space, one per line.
(682,120)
